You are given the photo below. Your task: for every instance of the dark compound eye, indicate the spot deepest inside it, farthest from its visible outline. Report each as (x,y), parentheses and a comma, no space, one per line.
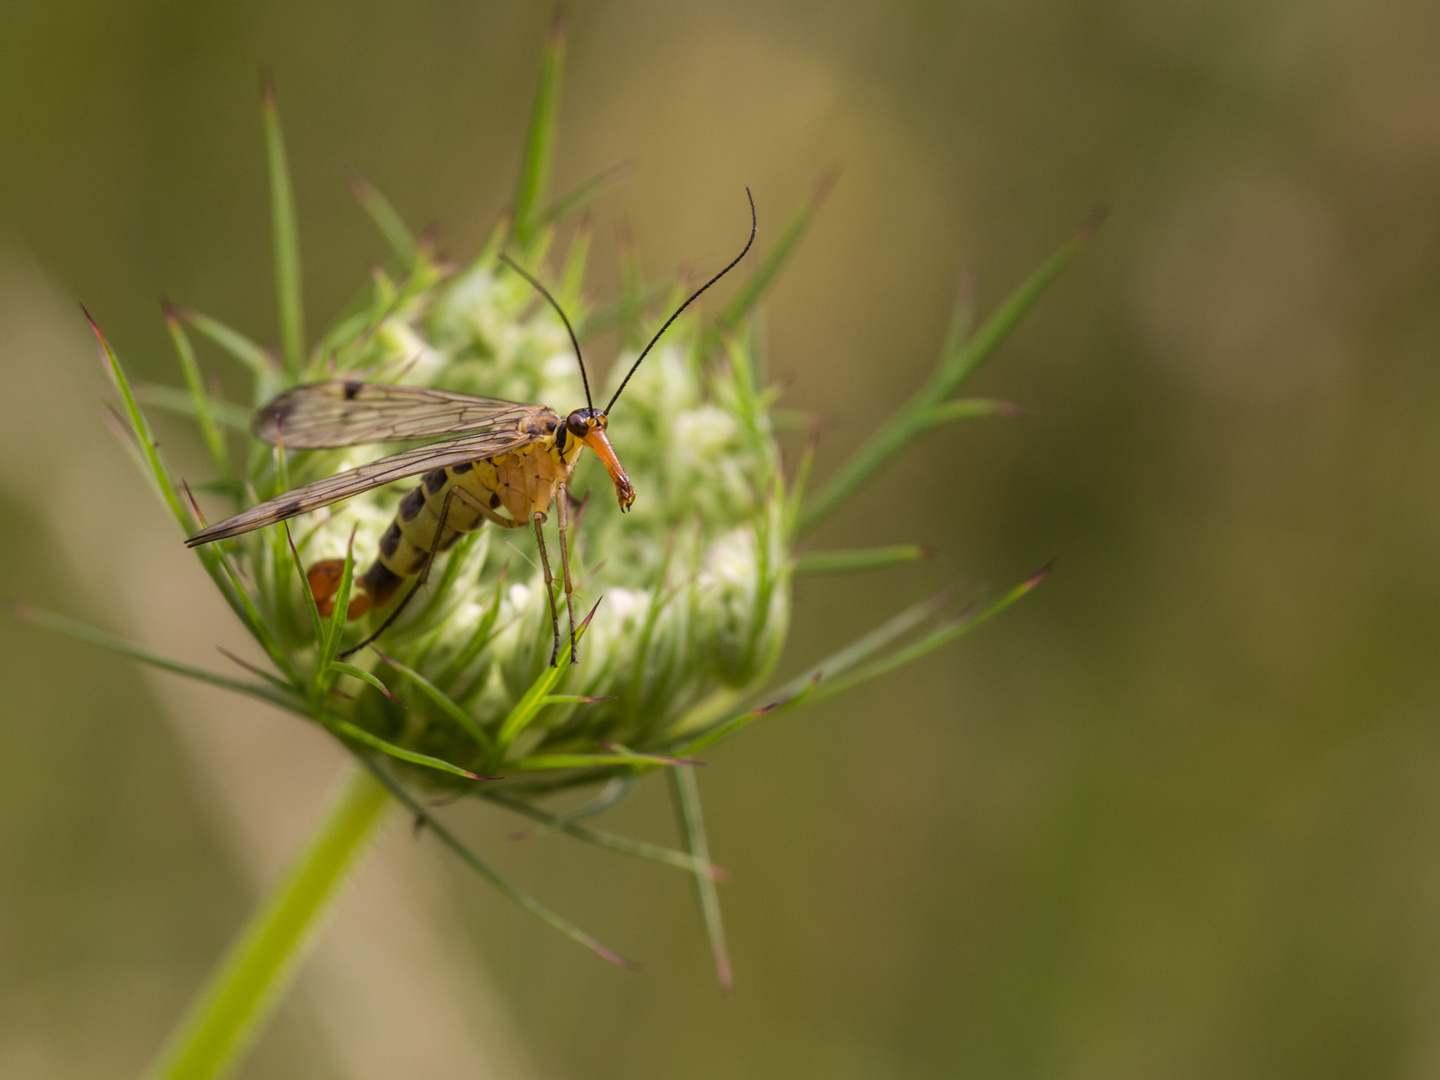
(576,423)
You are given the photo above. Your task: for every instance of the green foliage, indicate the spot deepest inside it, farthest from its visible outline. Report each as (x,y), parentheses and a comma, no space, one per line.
(690,591)
(695,580)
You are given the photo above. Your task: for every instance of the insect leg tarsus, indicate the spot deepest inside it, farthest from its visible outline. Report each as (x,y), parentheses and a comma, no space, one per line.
(539,520)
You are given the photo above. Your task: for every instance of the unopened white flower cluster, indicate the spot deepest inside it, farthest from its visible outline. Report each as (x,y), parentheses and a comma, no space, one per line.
(692,585)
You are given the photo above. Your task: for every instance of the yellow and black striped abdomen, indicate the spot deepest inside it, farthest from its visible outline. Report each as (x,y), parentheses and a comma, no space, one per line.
(406,544)
(521,482)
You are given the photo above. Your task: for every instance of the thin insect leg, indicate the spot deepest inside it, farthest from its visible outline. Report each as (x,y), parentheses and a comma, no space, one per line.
(539,520)
(419,582)
(485,511)
(563,503)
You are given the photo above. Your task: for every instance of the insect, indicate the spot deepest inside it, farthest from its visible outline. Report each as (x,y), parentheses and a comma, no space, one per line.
(503,456)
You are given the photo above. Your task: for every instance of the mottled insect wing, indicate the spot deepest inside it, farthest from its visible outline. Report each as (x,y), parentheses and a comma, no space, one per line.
(343,485)
(326,415)
(334,414)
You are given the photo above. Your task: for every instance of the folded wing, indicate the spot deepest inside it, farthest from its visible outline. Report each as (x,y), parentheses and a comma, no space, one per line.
(353,481)
(332,414)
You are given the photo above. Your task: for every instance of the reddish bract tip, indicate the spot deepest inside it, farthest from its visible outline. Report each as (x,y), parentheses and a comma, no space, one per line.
(267,89)
(199,517)
(824,186)
(612,957)
(1092,223)
(93,326)
(586,621)
(558,25)
(968,287)
(1039,575)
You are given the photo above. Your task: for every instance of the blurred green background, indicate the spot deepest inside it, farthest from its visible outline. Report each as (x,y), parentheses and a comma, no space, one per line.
(1177,814)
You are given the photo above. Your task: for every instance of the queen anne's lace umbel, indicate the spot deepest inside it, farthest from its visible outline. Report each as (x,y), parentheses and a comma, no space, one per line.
(692,584)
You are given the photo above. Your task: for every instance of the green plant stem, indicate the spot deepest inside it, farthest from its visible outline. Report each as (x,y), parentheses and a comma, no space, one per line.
(234,1004)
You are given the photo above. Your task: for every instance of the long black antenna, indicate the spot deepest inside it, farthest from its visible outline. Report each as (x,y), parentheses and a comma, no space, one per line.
(561,312)
(682,307)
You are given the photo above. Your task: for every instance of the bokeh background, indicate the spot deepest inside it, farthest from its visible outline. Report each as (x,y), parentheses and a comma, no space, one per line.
(1177,814)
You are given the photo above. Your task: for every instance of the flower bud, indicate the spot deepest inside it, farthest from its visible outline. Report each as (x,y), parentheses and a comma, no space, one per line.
(692,586)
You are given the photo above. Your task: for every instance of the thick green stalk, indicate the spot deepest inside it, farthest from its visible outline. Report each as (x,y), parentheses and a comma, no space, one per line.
(231,1008)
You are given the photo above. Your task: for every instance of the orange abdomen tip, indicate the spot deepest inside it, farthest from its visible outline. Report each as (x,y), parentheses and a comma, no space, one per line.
(324,578)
